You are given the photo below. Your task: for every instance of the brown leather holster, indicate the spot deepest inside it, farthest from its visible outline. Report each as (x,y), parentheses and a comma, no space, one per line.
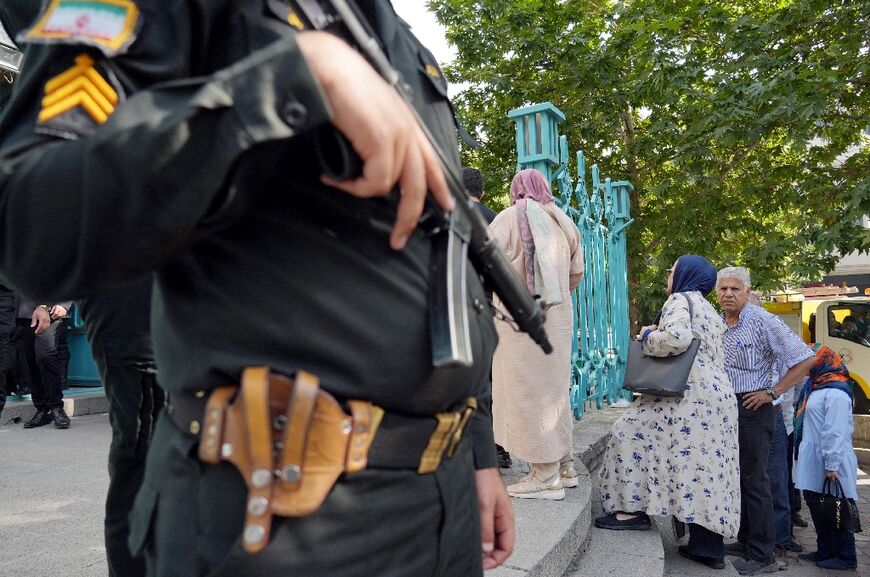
(289,439)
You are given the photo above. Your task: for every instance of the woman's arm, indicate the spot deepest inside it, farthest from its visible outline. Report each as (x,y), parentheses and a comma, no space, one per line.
(674,333)
(836,434)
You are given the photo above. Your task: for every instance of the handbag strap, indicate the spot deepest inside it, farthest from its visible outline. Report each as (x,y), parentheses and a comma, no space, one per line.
(833,488)
(691,313)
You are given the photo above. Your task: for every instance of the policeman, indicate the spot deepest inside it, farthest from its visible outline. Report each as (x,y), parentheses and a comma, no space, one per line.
(117,321)
(180,137)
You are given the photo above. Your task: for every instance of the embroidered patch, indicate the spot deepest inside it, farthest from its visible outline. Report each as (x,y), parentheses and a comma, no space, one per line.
(294,20)
(433,71)
(80,88)
(109,25)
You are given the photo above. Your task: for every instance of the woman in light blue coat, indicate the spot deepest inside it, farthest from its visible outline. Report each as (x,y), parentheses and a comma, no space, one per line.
(823,440)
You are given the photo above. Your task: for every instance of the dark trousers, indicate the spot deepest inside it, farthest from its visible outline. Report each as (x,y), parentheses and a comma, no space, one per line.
(755,433)
(831,544)
(705,542)
(41,364)
(7,348)
(134,403)
(778,471)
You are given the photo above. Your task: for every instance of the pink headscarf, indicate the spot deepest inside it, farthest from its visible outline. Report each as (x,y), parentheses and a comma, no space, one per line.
(529,183)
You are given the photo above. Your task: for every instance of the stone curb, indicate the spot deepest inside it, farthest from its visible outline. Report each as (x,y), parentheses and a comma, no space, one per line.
(551,534)
(90,402)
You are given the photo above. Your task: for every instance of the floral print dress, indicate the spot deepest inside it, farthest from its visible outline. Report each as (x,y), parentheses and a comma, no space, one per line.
(678,456)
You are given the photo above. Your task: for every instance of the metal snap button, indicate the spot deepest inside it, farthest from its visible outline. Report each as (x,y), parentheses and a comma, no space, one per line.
(261,478)
(258,505)
(254,534)
(292,473)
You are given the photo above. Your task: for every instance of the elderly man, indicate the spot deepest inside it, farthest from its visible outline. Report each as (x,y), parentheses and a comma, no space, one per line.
(754,341)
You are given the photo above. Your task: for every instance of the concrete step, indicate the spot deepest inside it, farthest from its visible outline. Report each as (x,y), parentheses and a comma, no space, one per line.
(676,565)
(550,534)
(618,553)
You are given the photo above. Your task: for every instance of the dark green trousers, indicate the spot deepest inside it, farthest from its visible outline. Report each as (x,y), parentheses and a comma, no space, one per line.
(188,520)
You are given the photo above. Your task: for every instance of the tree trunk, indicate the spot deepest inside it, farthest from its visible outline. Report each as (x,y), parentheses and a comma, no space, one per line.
(633,254)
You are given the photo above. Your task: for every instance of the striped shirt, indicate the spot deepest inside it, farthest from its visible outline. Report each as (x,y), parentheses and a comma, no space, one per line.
(754,343)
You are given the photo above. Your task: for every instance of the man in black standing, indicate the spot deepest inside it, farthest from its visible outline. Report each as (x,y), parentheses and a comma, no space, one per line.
(7,349)
(199,146)
(473,181)
(38,327)
(117,320)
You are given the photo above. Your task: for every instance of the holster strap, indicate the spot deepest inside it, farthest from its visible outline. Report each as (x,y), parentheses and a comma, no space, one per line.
(291,441)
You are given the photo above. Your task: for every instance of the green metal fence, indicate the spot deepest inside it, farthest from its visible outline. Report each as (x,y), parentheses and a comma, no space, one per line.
(602,214)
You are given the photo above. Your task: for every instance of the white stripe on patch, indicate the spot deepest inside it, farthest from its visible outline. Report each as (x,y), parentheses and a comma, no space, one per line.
(109,25)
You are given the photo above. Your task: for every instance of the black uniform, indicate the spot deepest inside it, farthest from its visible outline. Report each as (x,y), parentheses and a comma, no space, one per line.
(117,321)
(7,348)
(205,174)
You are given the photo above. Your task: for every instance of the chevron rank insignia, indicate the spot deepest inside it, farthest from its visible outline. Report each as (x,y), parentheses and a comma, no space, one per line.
(108,25)
(77,100)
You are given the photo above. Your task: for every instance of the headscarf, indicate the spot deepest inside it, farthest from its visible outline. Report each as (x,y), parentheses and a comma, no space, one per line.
(529,184)
(692,273)
(829,372)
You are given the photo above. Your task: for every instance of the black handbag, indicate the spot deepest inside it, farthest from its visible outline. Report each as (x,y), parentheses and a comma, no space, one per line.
(837,512)
(660,376)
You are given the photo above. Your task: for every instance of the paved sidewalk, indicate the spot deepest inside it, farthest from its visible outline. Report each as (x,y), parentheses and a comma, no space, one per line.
(52,488)
(676,566)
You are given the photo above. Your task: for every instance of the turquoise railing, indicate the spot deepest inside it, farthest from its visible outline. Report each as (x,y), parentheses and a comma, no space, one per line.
(602,214)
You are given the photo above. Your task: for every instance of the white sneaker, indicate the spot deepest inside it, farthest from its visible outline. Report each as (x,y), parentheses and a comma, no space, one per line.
(568,476)
(530,487)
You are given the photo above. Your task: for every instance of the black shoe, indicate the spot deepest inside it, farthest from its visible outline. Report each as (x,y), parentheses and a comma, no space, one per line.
(792,546)
(836,565)
(678,528)
(39,419)
(504,458)
(798,521)
(711,562)
(754,566)
(737,549)
(61,421)
(812,557)
(639,523)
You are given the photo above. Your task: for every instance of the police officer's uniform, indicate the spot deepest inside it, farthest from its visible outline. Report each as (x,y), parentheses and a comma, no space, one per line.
(210,181)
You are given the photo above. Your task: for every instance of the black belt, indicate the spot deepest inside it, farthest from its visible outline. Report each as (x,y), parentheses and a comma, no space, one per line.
(399,443)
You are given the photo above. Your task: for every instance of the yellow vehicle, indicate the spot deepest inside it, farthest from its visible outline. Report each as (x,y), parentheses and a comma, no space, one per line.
(842,323)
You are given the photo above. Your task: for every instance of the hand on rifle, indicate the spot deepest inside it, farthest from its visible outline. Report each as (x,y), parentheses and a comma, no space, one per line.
(382,130)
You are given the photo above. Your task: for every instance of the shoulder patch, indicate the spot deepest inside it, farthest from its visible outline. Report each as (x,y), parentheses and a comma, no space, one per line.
(108,25)
(78,99)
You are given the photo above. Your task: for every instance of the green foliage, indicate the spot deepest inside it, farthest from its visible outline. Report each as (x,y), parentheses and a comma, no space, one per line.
(739,123)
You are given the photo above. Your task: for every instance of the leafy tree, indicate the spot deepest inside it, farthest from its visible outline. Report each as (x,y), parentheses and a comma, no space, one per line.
(738,123)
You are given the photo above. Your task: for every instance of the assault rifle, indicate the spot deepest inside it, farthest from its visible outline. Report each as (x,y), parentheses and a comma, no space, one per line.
(461,234)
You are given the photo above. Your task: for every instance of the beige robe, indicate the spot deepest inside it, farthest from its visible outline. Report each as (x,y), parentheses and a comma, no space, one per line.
(531,409)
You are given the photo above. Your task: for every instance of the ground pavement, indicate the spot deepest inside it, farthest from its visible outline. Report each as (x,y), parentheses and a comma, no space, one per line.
(53,484)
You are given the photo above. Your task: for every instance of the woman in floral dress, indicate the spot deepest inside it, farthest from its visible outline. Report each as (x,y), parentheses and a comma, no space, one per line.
(678,456)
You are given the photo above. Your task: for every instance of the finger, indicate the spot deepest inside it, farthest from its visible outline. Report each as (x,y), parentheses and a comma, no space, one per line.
(413,185)
(504,541)
(379,174)
(434,175)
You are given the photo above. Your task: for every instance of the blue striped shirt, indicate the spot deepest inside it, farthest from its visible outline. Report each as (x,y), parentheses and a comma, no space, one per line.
(754,343)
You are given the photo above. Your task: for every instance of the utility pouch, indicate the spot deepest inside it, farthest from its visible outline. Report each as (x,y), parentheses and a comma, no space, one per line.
(290,441)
